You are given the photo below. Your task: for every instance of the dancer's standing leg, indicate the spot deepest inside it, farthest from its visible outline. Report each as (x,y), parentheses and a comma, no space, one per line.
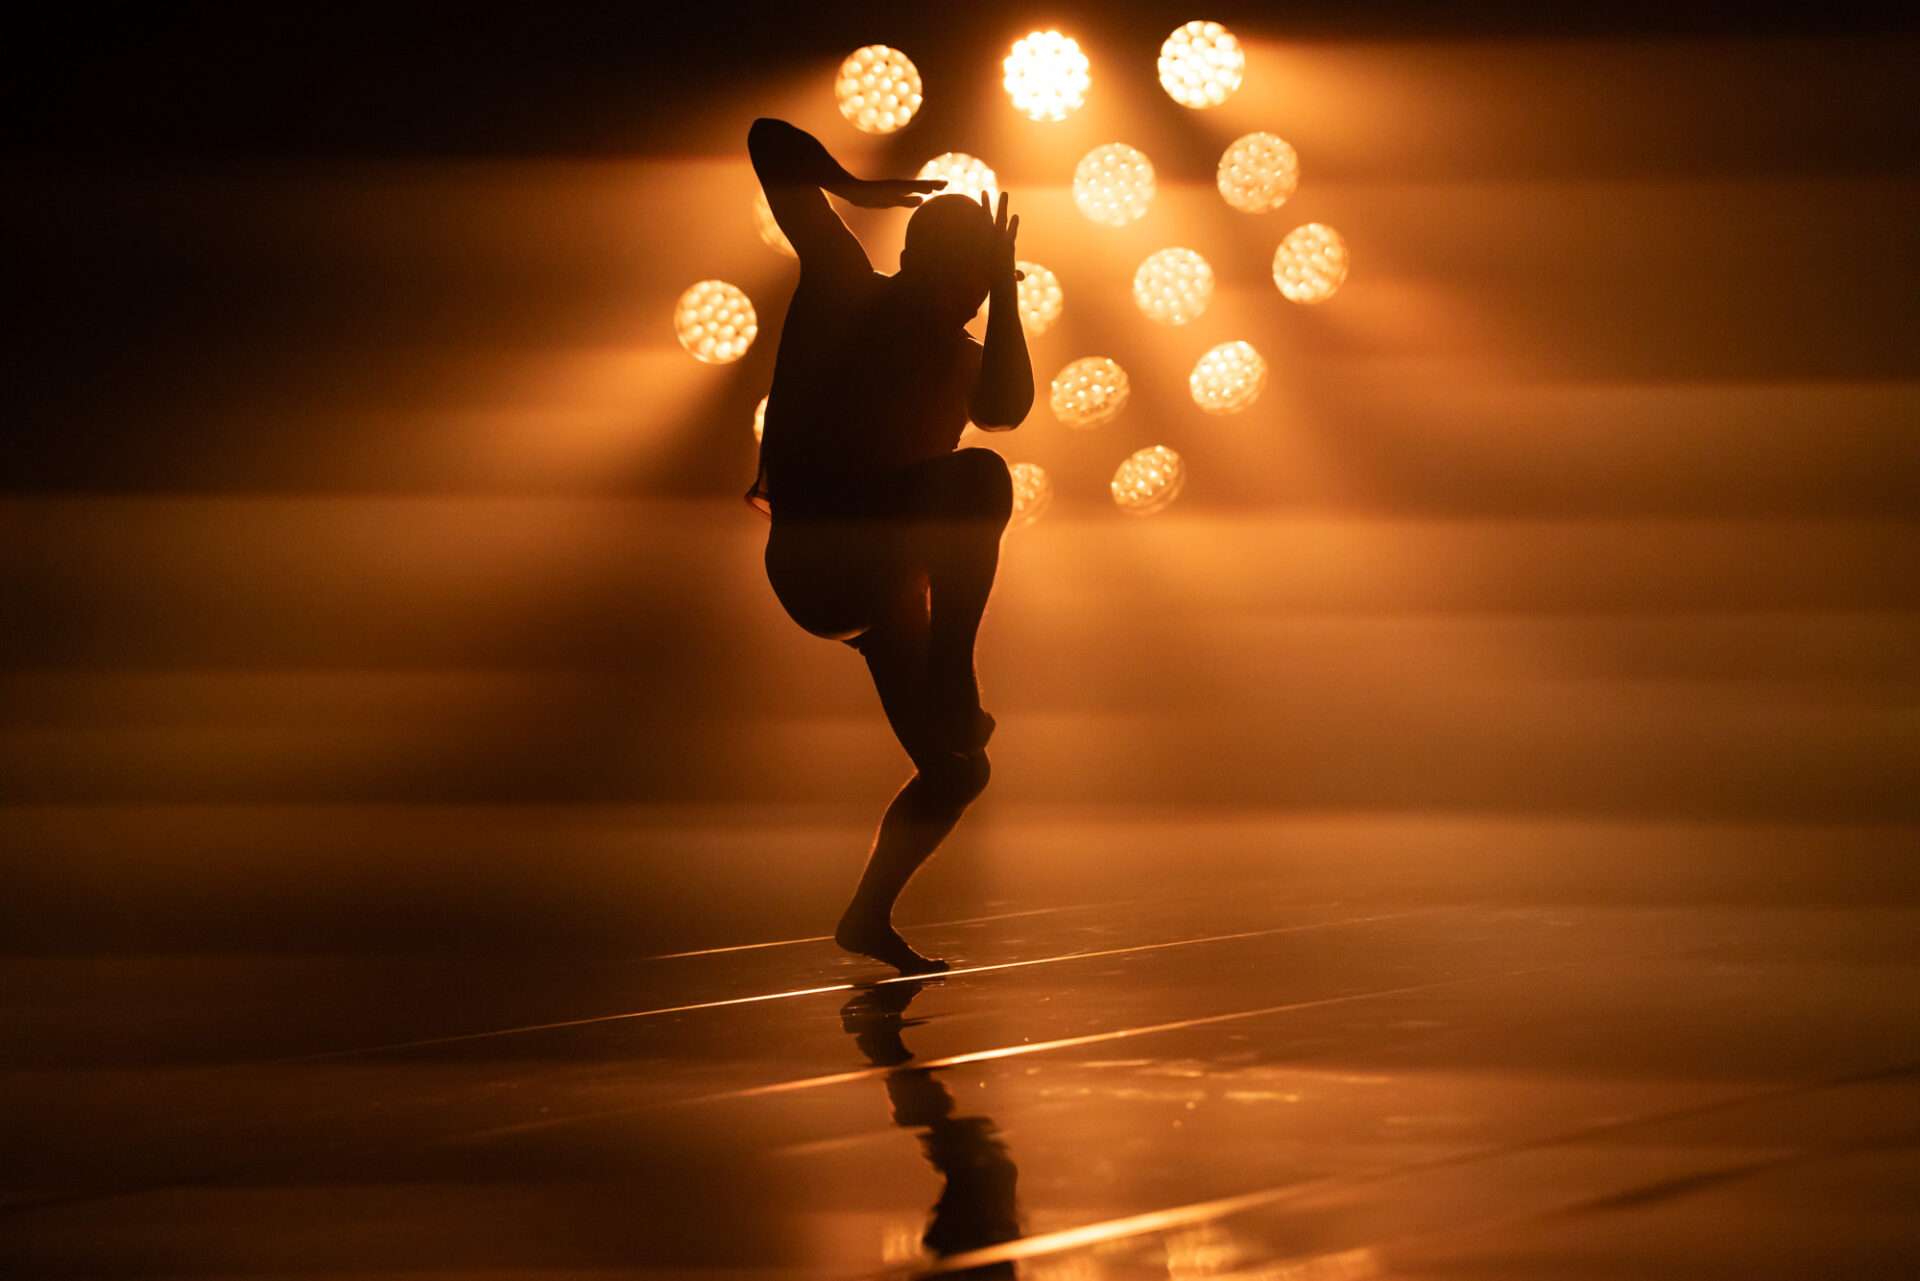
(920,655)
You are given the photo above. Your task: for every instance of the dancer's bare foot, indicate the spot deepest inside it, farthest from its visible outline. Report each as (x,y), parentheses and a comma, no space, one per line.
(882,942)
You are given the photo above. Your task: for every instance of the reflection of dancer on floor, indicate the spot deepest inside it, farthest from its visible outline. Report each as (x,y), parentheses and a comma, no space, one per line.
(976,1208)
(884,535)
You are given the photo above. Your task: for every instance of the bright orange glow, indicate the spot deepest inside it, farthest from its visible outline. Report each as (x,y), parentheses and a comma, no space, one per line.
(964,175)
(1228,378)
(1113,184)
(1310,263)
(1258,172)
(1173,286)
(764,223)
(878,89)
(715,322)
(760,419)
(1148,480)
(1088,392)
(1032,494)
(1201,64)
(1046,75)
(1040,298)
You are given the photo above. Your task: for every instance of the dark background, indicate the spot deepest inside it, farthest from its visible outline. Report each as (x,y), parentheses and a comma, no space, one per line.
(590,79)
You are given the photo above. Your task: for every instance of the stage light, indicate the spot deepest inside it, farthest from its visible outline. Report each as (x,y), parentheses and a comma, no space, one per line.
(1228,378)
(1310,263)
(760,418)
(715,322)
(1200,64)
(1046,75)
(878,89)
(1032,494)
(1088,392)
(1258,172)
(1148,480)
(768,227)
(1173,286)
(964,175)
(1113,184)
(1040,298)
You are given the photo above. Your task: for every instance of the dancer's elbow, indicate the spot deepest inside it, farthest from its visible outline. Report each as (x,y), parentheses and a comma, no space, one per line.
(773,145)
(1000,404)
(988,420)
(1000,415)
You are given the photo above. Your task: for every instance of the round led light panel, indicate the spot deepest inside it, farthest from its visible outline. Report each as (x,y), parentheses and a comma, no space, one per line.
(1228,378)
(1088,392)
(878,89)
(1173,286)
(1113,185)
(1258,172)
(715,322)
(1310,263)
(769,229)
(1201,64)
(964,175)
(1046,75)
(1032,494)
(1040,298)
(1148,480)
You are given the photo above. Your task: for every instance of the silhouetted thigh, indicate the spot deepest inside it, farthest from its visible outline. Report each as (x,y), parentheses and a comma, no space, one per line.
(836,577)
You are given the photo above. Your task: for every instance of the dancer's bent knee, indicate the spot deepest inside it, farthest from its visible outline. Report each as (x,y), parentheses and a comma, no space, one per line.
(968,486)
(954,781)
(985,483)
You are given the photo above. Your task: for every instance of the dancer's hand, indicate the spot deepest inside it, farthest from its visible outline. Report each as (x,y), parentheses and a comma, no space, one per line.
(1005,229)
(888,193)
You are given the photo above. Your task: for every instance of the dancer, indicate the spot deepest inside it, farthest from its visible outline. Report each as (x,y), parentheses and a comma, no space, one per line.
(884,535)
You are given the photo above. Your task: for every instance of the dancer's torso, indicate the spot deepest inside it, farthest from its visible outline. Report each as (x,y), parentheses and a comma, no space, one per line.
(863,386)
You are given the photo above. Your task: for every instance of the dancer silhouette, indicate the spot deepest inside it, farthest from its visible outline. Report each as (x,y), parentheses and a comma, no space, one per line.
(884,534)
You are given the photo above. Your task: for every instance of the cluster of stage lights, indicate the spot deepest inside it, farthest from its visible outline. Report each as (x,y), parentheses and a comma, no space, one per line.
(1047,77)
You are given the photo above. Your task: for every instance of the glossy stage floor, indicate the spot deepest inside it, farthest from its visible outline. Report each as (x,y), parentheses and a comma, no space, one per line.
(1180,1048)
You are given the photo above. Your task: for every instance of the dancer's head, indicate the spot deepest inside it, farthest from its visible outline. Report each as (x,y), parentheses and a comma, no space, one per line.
(949,252)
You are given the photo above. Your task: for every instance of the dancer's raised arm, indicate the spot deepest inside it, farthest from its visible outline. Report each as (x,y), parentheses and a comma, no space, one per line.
(794,169)
(1003,392)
